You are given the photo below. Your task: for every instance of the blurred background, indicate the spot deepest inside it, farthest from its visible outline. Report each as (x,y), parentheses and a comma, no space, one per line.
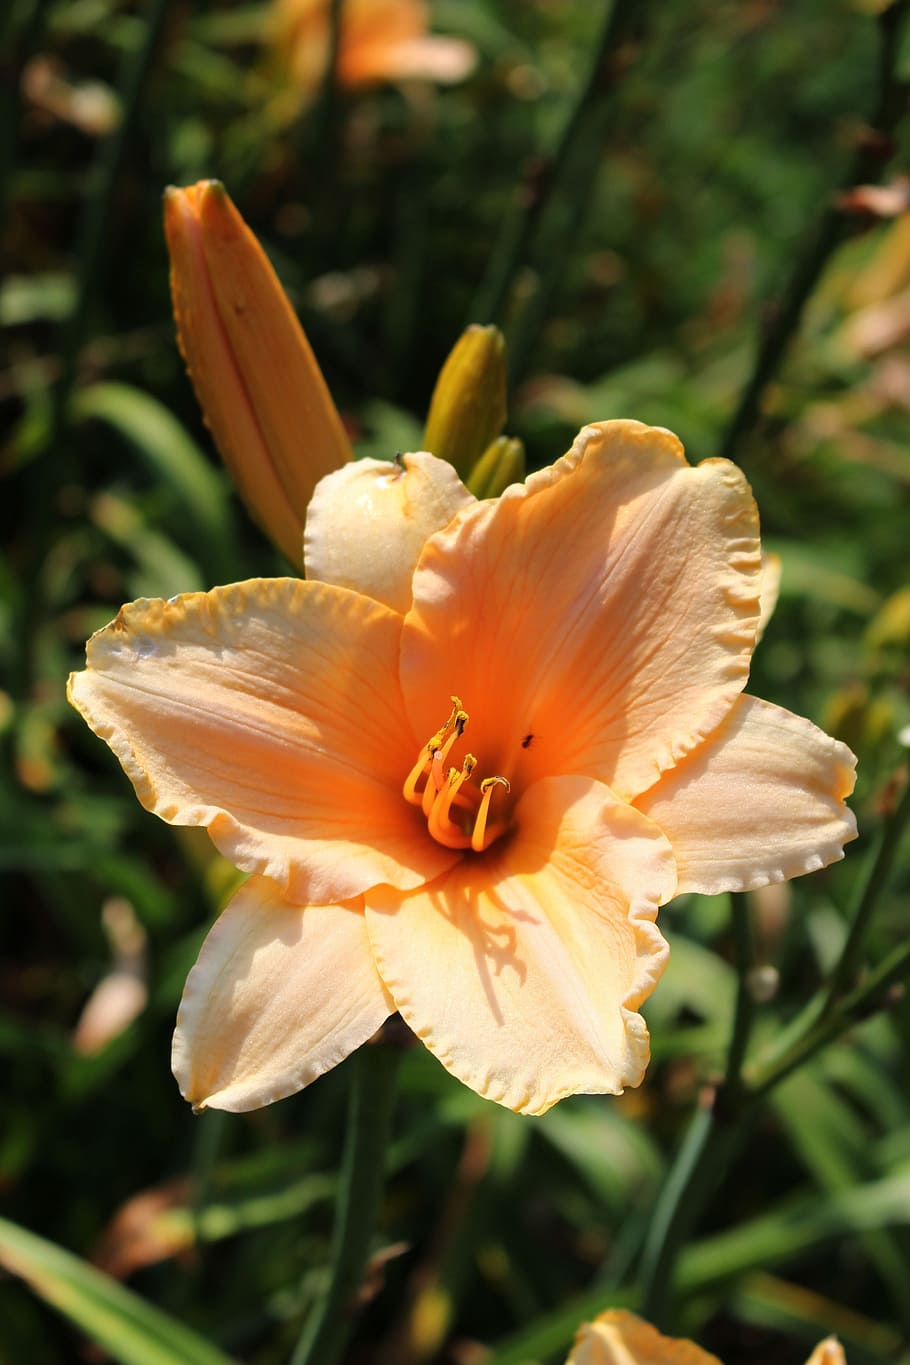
(694,213)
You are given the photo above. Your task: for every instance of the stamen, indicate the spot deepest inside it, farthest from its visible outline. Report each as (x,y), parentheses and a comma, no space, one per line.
(442,791)
(434,783)
(440,824)
(480,823)
(409,790)
(443,740)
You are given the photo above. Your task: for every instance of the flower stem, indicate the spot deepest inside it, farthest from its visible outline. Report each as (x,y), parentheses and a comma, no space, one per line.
(371,1101)
(744,1009)
(832,228)
(19,36)
(882,987)
(724,1118)
(880,864)
(709,1141)
(693,1176)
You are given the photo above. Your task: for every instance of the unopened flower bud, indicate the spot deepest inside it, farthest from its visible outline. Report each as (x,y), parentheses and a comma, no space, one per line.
(502,463)
(468,407)
(256,378)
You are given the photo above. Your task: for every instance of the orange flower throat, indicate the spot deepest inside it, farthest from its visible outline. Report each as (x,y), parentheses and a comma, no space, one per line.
(457,812)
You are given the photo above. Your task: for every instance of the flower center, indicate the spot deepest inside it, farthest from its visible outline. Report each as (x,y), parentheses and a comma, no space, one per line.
(457,811)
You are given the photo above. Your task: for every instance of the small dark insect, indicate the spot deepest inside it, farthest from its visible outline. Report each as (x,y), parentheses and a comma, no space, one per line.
(526,742)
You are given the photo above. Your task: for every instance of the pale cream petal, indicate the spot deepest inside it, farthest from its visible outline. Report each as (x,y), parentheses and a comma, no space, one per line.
(761,801)
(431,58)
(280,994)
(598,619)
(269,712)
(621,1338)
(523,968)
(828,1352)
(770,589)
(368,521)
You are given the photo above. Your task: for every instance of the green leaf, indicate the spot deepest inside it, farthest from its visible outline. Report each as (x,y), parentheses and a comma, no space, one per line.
(117,1319)
(173,457)
(36,298)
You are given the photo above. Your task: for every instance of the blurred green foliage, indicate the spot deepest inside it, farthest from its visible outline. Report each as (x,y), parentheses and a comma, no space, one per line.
(631,267)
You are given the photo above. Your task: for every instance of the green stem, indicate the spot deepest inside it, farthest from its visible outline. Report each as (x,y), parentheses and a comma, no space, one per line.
(744,1009)
(827,235)
(531,201)
(692,1178)
(881,863)
(708,1144)
(372,1097)
(874,994)
(319,128)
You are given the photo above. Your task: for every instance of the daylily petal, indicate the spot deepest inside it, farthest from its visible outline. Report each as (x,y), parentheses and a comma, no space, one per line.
(431,58)
(523,969)
(621,1338)
(770,589)
(759,802)
(606,609)
(280,994)
(269,712)
(368,521)
(828,1352)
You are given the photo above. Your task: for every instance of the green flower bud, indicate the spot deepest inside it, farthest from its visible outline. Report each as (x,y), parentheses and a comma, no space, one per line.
(502,463)
(468,407)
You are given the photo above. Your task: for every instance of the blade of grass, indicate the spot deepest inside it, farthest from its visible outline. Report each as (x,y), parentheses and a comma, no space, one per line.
(133,1331)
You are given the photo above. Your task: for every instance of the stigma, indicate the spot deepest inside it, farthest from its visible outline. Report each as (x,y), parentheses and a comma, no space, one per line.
(457,811)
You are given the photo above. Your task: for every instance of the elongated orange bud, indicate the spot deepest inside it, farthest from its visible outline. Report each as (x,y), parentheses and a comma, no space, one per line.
(256,378)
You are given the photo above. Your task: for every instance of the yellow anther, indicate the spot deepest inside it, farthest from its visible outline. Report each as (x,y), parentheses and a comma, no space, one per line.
(441,742)
(478,834)
(440,790)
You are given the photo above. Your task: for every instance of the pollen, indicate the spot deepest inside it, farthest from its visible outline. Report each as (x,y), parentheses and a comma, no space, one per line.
(457,811)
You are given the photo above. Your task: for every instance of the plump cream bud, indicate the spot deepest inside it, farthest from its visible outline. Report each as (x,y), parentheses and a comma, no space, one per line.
(502,463)
(368,522)
(468,407)
(256,378)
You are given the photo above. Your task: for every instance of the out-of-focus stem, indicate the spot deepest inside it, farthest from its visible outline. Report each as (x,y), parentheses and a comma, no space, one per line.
(18,37)
(744,1009)
(96,210)
(824,237)
(532,199)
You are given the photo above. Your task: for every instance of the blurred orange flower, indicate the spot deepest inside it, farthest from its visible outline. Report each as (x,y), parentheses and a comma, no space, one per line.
(256,378)
(379,41)
(588,634)
(621,1338)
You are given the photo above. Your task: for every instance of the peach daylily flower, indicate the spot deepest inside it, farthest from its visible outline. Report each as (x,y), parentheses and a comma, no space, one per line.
(620,1338)
(380,40)
(466,762)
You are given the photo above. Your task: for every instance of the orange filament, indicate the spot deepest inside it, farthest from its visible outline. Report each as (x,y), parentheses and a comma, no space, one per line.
(442,828)
(446,791)
(478,836)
